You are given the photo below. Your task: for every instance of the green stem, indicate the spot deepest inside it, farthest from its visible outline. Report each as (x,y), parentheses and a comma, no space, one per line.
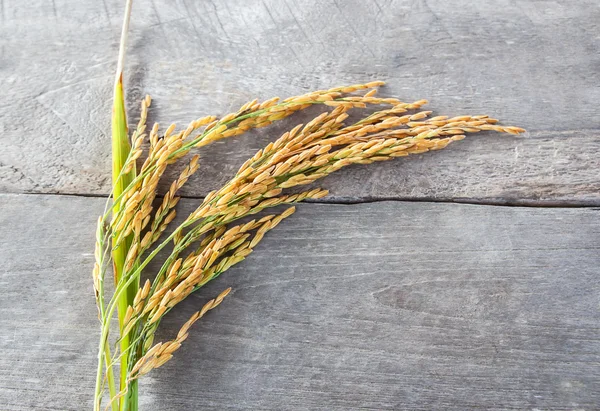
(111,378)
(121,148)
(120,153)
(98,391)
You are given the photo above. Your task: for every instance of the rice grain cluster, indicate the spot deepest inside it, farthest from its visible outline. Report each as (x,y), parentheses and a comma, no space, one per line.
(212,238)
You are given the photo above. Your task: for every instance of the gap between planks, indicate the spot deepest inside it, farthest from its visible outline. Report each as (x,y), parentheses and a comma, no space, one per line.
(366,200)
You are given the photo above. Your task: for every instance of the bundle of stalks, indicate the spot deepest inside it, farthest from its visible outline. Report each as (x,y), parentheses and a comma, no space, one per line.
(217,234)
(300,156)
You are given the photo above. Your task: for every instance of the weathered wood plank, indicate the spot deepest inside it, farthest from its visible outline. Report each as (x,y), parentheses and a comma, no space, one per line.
(532,64)
(387,305)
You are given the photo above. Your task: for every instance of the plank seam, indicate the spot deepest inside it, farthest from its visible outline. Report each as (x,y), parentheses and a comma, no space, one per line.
(592,204)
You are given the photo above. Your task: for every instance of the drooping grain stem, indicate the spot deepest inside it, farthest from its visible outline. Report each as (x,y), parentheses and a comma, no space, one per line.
(301,156)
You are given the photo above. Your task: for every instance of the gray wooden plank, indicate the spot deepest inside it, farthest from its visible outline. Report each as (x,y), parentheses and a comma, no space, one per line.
(533,64)
(389,305)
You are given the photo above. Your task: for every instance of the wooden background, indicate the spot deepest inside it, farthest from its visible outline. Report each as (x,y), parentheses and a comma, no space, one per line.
(385,295)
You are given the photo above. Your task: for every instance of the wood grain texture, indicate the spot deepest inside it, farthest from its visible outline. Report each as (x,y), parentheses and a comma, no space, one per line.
(388,305)
(531,63)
